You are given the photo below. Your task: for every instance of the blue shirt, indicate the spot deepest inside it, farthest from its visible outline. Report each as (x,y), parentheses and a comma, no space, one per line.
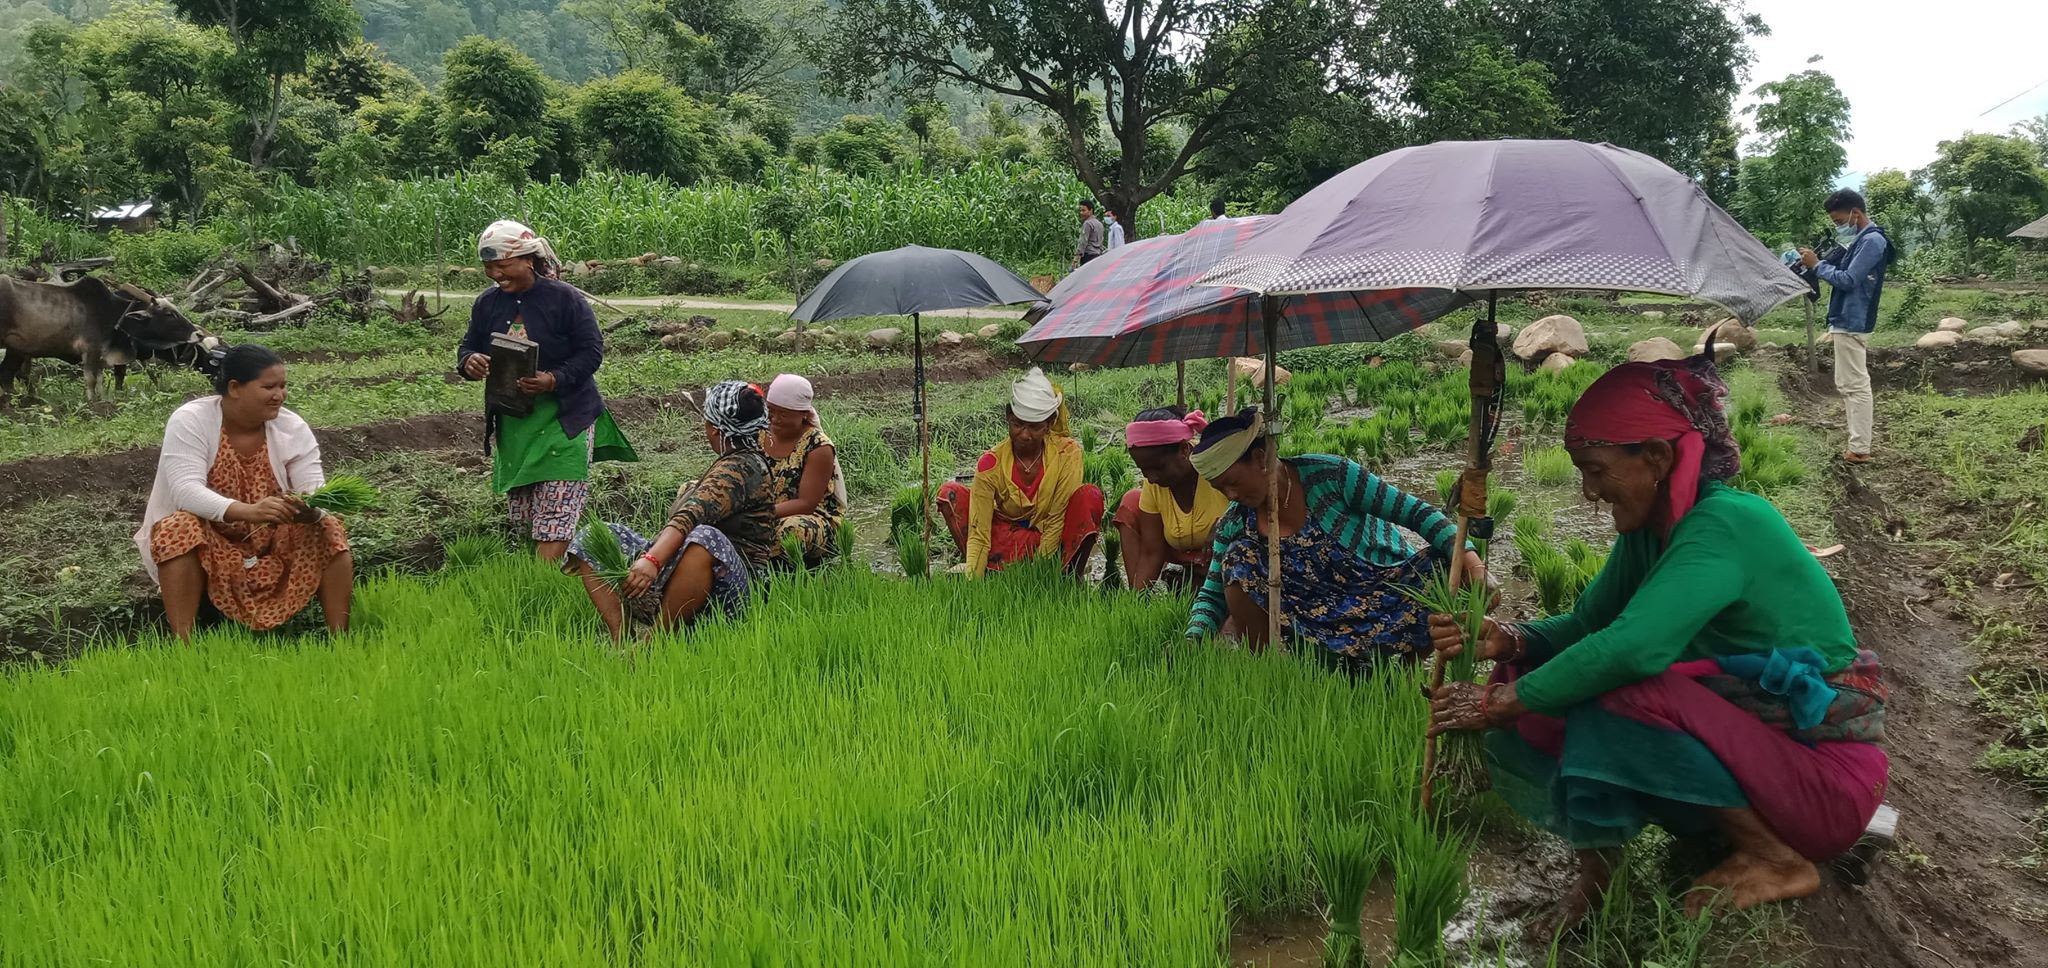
(1857,282)
(558,318)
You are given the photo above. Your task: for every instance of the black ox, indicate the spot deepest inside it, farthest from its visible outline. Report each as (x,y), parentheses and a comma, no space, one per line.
(95,324)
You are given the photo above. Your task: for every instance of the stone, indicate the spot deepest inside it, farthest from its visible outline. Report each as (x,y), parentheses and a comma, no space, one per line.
(1938,339)
(787,337)
(1551,334)
(1465,359)
(1952,324)
(1724,353)
(951,338)
(1078,368)
(991,331)
(1245,366)
(718,339)
(1731,332)
(1555,362)
(1653,349)
(679,342)
(2031,362)
(1986,334)
(1452,349)
(2011,329)
(1652,314)
(1503,334)
(884,338)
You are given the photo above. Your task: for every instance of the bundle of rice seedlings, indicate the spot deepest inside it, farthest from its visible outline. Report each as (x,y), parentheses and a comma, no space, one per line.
(905,508)
(1429,885)
(911,552)
(847,540)
(343,494)
(471,550)
(1112,563)
(1446,486)
(602,550)
(793,551)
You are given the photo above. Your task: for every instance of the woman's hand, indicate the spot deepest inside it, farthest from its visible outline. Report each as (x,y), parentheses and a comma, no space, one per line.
(270,510)
(476,366)
(1458,707)
(641,576)
(303,513)
(1448,638)
(537,384)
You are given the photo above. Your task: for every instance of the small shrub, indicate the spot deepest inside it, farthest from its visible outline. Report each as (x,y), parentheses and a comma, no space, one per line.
(699,279)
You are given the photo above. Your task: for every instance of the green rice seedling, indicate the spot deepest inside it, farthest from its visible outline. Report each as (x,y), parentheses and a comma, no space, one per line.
(1348,856)
(1429,884)
(849,542)
(1112,559)
(1091,439)
(1532,524)
(1446,487)
(343,494)
(911,553)
(601,548)
(906,510)
(1500,503)
(472,550)
(1548,466)
(793,551)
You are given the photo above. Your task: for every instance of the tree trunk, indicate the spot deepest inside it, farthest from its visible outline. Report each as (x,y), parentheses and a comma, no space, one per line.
(3,230)
(259,146)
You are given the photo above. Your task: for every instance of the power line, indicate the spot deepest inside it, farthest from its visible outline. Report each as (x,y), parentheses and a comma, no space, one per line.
(2015,97)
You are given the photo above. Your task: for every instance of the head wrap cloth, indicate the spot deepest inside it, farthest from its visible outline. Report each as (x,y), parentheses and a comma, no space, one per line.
(736,409)
(1674,400)
(1164,433)
(506,239)
(1034,399)
(792,392)
(1226,441)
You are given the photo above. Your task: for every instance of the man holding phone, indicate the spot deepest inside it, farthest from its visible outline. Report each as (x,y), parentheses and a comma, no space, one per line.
(1855,274)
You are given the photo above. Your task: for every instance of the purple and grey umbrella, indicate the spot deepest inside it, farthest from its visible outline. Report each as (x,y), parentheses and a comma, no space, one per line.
(1491,216)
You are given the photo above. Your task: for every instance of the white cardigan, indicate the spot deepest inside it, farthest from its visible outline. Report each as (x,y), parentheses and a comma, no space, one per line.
(192,443)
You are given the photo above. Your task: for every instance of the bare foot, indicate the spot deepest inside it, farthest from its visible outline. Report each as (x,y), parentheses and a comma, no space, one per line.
(1596,870)
(1744,881)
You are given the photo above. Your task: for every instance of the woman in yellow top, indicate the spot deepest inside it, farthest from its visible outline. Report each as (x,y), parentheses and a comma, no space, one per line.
(1028,500)
(1171,518)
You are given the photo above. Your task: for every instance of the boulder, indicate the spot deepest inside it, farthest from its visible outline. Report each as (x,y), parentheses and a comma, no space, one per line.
(2031,362)
(2011,329)
(1723,353)
(1731,332)
(1938,339)
(1551,334)
(1952,324)
(1986,334)
(1078,368)
(951,338)
(718,339)
(1465,359)
(1555,362)
(787,337)
(884,338)
(1245,366)
(1652,314)
(679,342)
(991,331)
(1452,349)
(1503,334)
(1653,349)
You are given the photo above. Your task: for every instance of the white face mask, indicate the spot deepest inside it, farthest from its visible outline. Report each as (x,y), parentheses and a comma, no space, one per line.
(1846,233)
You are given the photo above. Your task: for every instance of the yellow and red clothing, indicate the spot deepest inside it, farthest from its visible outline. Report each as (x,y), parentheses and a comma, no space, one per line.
(1007,515)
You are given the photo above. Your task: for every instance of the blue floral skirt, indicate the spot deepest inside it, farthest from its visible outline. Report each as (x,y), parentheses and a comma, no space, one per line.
(1350,608)
(729,574)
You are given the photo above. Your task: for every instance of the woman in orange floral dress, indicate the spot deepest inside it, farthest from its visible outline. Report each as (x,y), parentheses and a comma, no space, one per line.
(223,516)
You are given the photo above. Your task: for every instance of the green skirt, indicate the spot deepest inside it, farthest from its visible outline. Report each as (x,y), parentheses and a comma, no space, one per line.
(533,448)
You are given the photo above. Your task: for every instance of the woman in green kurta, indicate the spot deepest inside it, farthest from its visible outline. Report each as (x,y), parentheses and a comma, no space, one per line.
(1706,680)
(542,458)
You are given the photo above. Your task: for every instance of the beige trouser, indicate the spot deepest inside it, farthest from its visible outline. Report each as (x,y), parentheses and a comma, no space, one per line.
(1852,381)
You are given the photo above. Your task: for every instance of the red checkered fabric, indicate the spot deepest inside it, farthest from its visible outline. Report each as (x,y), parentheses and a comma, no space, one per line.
(1139,305)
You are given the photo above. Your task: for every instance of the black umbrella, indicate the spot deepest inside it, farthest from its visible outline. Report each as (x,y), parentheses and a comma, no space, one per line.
(911,281)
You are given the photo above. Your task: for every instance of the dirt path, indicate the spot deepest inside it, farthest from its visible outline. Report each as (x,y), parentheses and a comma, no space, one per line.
(1951,895)
(687,302)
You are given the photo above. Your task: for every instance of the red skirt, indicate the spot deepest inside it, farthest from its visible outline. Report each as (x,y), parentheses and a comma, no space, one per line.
(1017,540)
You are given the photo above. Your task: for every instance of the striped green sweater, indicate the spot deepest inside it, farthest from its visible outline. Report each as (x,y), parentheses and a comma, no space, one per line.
(1362,511)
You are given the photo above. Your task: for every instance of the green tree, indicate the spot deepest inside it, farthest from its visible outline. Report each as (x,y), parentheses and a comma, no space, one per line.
(637,122)
(491,92)
(1801,123)
(863,144)
(1988,185)
(1654,75)
(1720,169)
(718,48)
(272,41)
(2036,131)
(1900,204)
(358,73)
(1202,66)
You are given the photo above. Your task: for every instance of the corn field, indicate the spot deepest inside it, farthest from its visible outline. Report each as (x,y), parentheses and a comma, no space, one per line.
(1012,213)
(865,771)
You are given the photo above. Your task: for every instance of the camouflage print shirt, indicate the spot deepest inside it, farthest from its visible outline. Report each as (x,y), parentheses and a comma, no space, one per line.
(736,496)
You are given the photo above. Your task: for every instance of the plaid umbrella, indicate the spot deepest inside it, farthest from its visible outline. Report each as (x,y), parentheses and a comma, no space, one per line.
(1140,305)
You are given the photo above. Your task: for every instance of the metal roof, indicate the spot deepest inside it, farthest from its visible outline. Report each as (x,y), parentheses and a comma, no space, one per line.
(121,213)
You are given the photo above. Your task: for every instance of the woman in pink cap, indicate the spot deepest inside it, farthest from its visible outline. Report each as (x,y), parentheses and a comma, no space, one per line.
(810,491)
(1170,519)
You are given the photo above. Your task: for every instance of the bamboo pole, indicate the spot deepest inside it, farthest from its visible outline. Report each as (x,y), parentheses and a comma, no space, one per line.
(1471,493)
(1180,384)
(924,437)
(1273,606)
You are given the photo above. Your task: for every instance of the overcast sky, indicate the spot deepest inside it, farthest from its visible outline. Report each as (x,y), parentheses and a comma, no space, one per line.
(1916,72)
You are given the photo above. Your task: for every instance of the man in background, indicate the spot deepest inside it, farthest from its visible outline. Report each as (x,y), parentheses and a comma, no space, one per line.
(1115,231)
(1217,207)
(1090,244)
(1855,274)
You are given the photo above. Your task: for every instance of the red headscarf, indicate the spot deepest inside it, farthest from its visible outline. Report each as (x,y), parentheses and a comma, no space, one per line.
(1674,400)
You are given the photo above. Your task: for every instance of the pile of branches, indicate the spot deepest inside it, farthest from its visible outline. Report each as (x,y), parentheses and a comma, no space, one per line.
(591,267)
(45,267)
(276,287)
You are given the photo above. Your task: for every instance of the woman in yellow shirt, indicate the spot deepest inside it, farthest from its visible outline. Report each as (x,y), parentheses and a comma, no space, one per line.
(1028,499)
(1172,517)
